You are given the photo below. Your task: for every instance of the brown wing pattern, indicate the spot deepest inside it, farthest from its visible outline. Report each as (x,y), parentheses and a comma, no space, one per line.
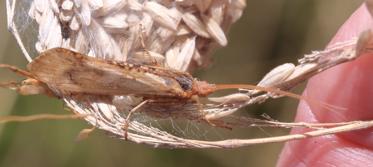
(69,71)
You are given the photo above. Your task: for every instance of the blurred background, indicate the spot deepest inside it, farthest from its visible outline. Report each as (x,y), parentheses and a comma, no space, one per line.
(270,33)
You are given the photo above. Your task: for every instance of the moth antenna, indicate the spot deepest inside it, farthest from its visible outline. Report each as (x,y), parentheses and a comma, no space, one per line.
(17,70)
(327,106)
(10,85)
(13,118)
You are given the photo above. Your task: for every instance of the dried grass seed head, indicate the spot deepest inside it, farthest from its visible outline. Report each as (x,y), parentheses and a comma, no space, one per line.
(183,32)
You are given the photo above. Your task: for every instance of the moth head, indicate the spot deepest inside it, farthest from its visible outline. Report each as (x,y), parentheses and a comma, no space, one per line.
(202,88)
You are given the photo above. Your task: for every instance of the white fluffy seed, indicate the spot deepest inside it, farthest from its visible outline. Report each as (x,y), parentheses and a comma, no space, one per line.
(161,15)
(195,24)
(277,75)
(215,31)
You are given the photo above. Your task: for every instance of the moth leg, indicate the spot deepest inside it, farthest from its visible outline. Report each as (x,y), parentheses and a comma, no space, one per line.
(217,123)
(200,109)
(144,56)
(153,60)
(84,133)
(146,51)
(141,36)
(211,121)
(127,121)
(17,70)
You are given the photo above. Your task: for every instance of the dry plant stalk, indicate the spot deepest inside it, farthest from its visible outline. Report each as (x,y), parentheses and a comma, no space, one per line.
(176,34)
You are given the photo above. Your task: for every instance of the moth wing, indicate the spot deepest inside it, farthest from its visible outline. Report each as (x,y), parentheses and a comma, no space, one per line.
(68,71)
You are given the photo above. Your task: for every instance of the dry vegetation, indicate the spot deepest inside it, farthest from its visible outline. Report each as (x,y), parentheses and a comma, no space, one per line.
(181,35)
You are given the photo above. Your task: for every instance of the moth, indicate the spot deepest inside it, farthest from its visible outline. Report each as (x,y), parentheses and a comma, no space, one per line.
(71,73)
(61,72)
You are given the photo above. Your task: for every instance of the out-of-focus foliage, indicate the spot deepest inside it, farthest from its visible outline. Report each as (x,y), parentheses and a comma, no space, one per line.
(270,33)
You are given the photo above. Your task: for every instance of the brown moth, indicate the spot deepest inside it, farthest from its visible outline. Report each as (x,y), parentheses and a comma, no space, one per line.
(61,72)
(72,73)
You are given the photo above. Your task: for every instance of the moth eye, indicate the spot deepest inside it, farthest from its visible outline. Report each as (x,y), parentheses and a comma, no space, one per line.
(185,83)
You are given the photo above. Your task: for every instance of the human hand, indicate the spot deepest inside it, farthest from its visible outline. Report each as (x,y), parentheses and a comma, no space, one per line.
(350,86)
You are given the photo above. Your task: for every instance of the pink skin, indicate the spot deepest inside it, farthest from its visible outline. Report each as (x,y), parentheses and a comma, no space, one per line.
(349,85)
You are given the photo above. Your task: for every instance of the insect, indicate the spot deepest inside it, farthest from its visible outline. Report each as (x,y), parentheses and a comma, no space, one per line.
(72,73)
(61,72)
